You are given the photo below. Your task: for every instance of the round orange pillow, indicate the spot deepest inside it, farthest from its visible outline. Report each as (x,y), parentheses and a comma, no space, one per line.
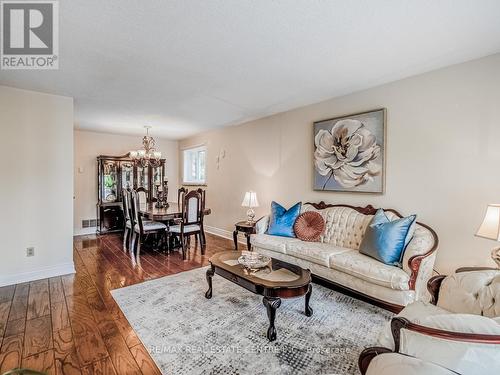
(309,226)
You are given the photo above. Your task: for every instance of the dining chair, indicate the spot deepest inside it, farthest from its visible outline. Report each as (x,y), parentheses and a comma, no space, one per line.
(191,223)
(142,229)
(203,202)
(127,235)
(143,195)
(180,194)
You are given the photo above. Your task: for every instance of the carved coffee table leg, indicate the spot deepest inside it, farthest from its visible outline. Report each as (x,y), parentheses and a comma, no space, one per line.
(271,305)
(210,274)
(235,239)
(308,310)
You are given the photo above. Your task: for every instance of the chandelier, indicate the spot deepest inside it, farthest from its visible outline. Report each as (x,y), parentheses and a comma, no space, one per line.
(148,155)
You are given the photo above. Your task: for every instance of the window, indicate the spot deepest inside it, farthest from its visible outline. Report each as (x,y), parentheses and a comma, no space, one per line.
(194,160)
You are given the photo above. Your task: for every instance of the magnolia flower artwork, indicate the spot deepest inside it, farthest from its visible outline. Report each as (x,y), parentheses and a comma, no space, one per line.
(349,153)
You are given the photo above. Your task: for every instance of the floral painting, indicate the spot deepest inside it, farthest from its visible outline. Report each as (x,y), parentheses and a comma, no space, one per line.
(349,153)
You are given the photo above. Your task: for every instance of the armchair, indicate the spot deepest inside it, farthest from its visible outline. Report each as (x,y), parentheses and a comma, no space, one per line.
(458,332)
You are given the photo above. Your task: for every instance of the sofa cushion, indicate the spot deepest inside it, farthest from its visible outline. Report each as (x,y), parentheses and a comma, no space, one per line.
(415,312)
(309,226)
(369,269)
(463,357)
(463,323)
(315,252)
(273,243)
(386,240)
(476,292)
(397,364)
(282,220)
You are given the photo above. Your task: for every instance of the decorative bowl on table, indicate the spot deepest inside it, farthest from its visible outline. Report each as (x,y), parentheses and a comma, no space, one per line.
(253,261)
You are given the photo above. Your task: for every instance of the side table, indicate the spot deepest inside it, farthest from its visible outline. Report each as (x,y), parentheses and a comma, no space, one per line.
(245,227)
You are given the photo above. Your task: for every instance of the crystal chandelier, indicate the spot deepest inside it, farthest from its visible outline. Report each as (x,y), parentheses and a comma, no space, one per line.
(148,155)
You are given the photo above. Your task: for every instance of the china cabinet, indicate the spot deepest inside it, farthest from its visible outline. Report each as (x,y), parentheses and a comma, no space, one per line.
(114,175)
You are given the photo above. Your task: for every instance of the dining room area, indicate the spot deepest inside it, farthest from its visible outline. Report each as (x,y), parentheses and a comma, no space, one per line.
(135,201)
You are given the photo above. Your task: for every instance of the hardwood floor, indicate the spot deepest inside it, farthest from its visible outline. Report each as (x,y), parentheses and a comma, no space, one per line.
(72,325)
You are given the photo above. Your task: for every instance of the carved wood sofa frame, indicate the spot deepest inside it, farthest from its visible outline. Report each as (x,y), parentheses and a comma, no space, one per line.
(398,323)
(413,263)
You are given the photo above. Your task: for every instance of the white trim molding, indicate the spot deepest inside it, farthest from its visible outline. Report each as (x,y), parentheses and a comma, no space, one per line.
(225,234)
(84,231)
(42,273)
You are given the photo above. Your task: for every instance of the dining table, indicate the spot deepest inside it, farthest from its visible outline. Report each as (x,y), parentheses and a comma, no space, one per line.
(165,214)
(169,212)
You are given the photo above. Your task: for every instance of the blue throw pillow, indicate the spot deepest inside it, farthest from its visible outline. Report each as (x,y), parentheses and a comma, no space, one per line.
(386,240)
(282,220)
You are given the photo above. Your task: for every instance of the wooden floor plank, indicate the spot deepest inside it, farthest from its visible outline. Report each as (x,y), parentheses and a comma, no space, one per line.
(120,355)
(60,317)
(20,302)
(4,315)
(143,359)
(65,356)
(56,290)
(15,327)
(42,362)
(38,336)
(102,367)
(38,301)
(6,293)
(11,353)
(91,347)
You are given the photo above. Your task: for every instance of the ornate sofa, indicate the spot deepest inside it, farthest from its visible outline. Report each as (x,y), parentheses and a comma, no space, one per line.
(459,332)
(335,260)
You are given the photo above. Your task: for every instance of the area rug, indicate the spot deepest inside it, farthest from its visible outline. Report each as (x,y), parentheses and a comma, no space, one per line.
(189,334)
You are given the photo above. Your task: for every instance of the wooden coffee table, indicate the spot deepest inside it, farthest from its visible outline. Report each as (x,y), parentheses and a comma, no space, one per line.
(278,280)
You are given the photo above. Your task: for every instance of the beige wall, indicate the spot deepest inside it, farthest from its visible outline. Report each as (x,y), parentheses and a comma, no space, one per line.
(36,187)
(89,145)
(443,156)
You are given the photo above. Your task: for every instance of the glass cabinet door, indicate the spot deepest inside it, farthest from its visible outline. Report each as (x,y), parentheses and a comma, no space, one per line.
(110,181)
(157,175)
(142,177)
(127,172)
(157,179)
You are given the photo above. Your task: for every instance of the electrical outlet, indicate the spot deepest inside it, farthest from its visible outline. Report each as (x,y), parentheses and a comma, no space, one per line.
(30,251)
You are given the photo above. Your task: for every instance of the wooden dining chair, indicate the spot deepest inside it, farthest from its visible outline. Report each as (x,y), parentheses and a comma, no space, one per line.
(127,234)
(203,206)
(180,194)
(142,229)
(191,224)
(143,195)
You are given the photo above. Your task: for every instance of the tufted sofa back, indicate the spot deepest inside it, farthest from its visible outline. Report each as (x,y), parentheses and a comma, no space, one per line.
(345,227)
(475,292)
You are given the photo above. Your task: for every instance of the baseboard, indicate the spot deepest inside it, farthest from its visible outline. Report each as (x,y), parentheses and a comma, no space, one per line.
(84,231)
(225,234)
(43,273)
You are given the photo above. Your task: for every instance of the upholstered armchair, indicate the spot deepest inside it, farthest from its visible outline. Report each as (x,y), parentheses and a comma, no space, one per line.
(458,332)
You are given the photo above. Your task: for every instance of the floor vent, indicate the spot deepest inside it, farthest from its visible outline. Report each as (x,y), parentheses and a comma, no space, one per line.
(89,223)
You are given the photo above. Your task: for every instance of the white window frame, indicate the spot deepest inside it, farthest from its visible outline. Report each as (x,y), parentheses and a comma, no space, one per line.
(198,182)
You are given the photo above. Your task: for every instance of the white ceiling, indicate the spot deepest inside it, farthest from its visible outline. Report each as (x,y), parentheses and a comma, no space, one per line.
(184,66)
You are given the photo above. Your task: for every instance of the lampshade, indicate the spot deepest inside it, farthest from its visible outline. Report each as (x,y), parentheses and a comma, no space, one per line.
(490,228)
(250,199)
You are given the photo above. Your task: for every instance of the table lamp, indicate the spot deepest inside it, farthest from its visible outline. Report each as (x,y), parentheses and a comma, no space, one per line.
(250,201)
(490,228)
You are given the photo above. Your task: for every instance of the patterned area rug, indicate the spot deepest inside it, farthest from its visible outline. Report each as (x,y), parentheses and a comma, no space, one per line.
(188,334)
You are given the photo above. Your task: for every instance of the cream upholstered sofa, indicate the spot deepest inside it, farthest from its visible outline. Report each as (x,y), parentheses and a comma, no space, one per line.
(459,332)
(336,259)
